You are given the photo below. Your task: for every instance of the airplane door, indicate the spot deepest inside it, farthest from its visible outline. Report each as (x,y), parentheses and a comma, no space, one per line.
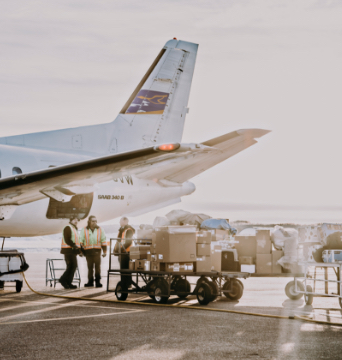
(79,206)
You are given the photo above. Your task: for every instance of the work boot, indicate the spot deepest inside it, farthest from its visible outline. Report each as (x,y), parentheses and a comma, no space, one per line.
(71,286)
(98,284)
(64,284)
(89,284)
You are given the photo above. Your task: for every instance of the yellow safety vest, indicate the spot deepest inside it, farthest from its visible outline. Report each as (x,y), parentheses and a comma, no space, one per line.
(74,238)
(89,242)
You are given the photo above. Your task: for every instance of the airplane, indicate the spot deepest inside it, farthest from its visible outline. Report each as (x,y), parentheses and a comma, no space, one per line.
(131,166)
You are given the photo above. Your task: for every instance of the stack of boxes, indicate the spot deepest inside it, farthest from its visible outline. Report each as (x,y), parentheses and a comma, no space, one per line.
(256,254)
(203,251)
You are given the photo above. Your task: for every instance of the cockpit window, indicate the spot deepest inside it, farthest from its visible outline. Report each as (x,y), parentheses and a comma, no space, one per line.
(16,171)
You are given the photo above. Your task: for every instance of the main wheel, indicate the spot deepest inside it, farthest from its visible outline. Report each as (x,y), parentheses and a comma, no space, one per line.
(291,292)
(161,291)
(308,297)
(119,291)
(236,289)
(18,285)
(182,285)
(204,293)
(214,289)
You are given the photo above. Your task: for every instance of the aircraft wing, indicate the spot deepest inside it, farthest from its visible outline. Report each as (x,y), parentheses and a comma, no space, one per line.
(168,165)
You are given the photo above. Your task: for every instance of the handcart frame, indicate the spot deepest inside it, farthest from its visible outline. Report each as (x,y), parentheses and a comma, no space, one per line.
(309,292)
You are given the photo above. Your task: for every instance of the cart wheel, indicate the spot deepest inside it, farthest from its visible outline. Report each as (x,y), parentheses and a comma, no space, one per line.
(182,285)
(239,281)
(308,297)
(236,292)
(214,289)
(204,293)
(290,291)
(18,285)
(150,286)
(120,295)
(160,290)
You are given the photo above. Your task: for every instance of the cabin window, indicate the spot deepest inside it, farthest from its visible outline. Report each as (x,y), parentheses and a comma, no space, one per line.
(16,171)
(79,206)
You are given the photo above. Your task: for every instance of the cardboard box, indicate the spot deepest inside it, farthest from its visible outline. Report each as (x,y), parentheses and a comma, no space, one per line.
(221,234)
(143,234)
(203,250)
(142,265)
(151,257)
(203,264)
(276,255)
(175,247)
(131,265)
(246,260)
(203,237)
(157,266)
(224,260)
(246,246)
(248,268)
(263,240)
(180,267)
(264,263)
(135,256)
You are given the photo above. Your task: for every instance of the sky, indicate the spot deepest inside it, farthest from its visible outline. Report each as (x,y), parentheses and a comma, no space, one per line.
(273,65)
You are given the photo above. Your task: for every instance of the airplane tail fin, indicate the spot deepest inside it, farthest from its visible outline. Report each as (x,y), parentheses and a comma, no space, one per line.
(156,110)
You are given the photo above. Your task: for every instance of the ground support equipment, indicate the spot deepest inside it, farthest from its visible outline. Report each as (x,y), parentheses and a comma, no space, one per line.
(290,289)
(160,285)
(16,275)
(307,284)
(51,277)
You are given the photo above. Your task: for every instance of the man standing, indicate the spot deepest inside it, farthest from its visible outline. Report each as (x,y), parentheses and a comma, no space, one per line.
(70,248)
(92,240)
(126,233)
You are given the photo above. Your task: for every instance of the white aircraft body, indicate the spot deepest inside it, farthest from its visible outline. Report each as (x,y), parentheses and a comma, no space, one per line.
(130,166)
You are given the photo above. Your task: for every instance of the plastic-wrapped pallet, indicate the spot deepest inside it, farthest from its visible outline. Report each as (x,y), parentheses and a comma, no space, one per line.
(279,235)
(308,234)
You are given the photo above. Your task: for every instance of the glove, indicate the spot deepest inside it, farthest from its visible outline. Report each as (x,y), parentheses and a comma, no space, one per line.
(104,254)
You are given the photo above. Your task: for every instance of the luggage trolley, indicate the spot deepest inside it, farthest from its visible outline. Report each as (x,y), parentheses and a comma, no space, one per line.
(307,284)
(160,285)
(50,273)
(12,265)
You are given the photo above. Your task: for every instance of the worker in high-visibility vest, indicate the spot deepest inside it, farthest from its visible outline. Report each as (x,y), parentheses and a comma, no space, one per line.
(92,241)
(70,249)
(123,246)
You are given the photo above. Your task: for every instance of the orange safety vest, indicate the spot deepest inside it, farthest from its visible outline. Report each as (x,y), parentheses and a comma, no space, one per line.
(123,236)
(116,247)
(73,238)
(98,244)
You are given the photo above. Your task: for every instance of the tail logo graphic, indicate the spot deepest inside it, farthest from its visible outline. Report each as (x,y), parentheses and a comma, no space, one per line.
(148,102)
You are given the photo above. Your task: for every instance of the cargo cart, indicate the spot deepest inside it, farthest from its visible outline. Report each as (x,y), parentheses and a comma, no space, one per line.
(307,284)
(12,265)
(160,285)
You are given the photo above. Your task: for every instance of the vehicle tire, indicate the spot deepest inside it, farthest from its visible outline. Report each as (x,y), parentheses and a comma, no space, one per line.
(18,285)
(214,289)
(290,290)
(204,293)
(120,295)
(150,288)
(237,289)
(160,292)
(308,297)
(239,281)
(182,285)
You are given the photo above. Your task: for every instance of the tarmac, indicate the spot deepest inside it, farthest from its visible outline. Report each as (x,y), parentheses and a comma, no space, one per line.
(38,327)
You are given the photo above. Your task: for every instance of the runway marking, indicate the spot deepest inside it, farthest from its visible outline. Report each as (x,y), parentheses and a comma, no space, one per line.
(53,303)
(71,318)
(56,307)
